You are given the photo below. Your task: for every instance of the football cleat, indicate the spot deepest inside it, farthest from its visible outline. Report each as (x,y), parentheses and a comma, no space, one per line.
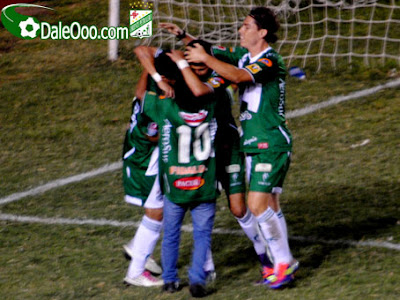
(268,275)
(145,279)
(151,265)
(284,275)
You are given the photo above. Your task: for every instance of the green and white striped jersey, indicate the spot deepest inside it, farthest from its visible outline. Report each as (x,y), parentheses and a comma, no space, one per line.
(262,101)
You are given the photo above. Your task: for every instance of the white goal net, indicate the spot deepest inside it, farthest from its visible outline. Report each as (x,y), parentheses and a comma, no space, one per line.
(314,33)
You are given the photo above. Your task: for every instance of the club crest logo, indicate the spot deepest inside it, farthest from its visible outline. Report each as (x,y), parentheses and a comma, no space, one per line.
(141,20)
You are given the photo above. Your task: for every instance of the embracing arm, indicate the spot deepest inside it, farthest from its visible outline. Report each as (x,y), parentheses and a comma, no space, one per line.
(230,72)
(174,29)
(141,85)
(146,58)
(197,87)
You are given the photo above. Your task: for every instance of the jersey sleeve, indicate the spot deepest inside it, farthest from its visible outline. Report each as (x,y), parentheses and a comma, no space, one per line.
(265,68)
(217,83)
(228,55)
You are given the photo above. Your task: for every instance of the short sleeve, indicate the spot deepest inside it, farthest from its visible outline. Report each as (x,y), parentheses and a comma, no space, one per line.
(264,69)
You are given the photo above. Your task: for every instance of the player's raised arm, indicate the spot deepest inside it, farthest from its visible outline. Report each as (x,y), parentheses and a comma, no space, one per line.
(146,57)
(197,54)
(181,34)
(197,87)
(141,85)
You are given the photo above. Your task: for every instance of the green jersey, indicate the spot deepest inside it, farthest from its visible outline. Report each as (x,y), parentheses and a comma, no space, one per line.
(262,101)
(187,163)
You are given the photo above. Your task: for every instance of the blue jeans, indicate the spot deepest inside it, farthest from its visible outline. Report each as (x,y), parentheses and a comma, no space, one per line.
(203,214)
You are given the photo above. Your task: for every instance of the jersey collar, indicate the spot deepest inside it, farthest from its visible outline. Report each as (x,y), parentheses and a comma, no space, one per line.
(255,58)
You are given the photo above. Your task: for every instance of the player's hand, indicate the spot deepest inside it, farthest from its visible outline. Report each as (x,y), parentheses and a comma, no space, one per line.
(166,88)
(176,55)
(196,54)
(172,28)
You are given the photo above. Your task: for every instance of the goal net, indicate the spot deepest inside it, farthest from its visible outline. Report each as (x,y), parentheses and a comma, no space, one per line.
(316,34)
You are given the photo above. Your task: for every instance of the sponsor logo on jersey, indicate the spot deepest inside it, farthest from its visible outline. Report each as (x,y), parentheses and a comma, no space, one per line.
(176,170)
(189,183)
(263,168)
(245,116)
(216,82)
(262,145)
(249,141)
(254,68)
(194,119)
(165,140)
(265,61)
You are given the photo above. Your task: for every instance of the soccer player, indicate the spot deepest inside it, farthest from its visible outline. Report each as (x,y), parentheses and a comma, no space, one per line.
(260,72)
(140,169)
(231,172)
(140,159)
(187,174)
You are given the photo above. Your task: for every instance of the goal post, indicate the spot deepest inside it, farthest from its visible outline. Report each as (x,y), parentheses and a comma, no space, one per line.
(113,21)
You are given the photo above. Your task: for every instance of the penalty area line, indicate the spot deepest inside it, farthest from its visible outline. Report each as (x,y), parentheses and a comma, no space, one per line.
(186,228)
(117,165)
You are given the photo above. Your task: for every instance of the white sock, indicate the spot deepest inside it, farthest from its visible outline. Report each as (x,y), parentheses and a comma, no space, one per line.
(250,227)
(143,245)
(209,264)
(271,228)
(282,221)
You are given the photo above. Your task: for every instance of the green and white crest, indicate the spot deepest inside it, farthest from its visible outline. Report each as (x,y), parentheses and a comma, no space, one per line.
(141,23)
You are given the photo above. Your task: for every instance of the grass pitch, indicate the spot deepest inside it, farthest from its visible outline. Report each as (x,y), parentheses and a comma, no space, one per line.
(64,110)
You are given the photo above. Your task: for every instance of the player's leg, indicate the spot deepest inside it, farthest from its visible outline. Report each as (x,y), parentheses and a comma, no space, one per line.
(209,267)
(268,170)
(203,220)
(235,190)
(249,224)
(141,247)
(173,218)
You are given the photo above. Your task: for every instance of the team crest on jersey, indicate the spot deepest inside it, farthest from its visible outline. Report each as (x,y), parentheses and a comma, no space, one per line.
(189,183)
(216,82)
(265,61)
(194,119)
(254,68)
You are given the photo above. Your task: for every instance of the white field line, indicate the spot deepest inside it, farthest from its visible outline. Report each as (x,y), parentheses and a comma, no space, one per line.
(117,165)
(185,228)
(60,182)
(336,100)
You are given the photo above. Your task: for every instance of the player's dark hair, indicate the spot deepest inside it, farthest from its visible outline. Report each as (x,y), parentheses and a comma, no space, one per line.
(266,19)
(165,66)
(206,45)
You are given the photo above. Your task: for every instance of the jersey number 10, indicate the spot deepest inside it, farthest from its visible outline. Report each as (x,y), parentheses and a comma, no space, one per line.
(201,144)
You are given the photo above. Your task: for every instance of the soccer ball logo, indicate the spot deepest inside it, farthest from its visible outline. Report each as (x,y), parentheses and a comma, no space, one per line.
(29,28)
